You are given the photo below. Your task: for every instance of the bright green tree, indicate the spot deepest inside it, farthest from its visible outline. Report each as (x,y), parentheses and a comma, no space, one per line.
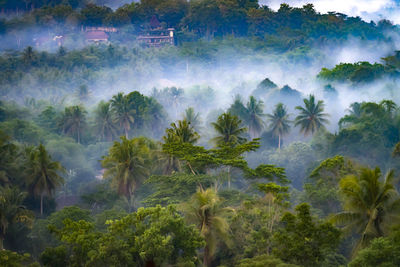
(155,236)
(229,130)
(182,132)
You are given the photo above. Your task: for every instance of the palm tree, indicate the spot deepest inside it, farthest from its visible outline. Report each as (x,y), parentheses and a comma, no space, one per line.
(230,133)
(128,164)
(43,173)
(193,118)
(104,121)
(355,112)
(74,120)
(279,122)
(12,210)
(205,211)
(181,132)
(371,204)
(229,130)
(238,108)
(311,117)
(123,112)
(254,114)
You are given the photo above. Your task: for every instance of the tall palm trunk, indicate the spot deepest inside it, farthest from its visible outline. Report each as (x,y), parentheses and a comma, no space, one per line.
(279,142)
(229,177)
(41,204)
(206,257)
(1,241)
(126,129)
(79,135)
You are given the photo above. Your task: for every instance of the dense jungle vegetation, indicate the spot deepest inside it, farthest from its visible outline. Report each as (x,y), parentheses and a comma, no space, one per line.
(115,154)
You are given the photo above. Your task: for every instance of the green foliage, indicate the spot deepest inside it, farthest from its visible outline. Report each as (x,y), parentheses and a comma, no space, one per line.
(13,259)
(360,72)
(54,256)
(73,121)
(383,251)
(128,164)
(322,187)
(41,234)
(369,127)
(204,209)
(311,117)
(175,188)
(149,236)
(182,132)
(43,173)
(371,205)
(263,261)
(279,122)
(198,159)
(229,130)
(304,241)
(12,210)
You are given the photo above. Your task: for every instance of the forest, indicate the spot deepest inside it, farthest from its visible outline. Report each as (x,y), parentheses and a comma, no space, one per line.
(260,138)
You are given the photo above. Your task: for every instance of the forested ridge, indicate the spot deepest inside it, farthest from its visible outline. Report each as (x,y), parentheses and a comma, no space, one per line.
(249,142)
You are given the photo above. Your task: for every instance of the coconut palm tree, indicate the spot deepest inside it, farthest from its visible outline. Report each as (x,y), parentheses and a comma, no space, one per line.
(312,116)
(182,131)
(279,120)
(371,205)
(128,163)
(238,108)
(122,111)
(12,210)
(104,121)
(254,115)
(193,118)
(205,211)
(355,112)
(43,174)
(73,121)
(229,130)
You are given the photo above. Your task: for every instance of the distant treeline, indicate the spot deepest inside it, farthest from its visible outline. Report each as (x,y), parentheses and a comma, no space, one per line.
(197,19)
(362,72)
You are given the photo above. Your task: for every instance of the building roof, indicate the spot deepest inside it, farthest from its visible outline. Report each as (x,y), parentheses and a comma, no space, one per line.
(154,22)
(96,35)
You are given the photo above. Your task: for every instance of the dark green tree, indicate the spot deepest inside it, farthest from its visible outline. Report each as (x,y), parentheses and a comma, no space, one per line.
(279,122)
(43,174)
(304,241)
(371,205)
(74,121)
(312,116)
(12,210)
(229,130)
